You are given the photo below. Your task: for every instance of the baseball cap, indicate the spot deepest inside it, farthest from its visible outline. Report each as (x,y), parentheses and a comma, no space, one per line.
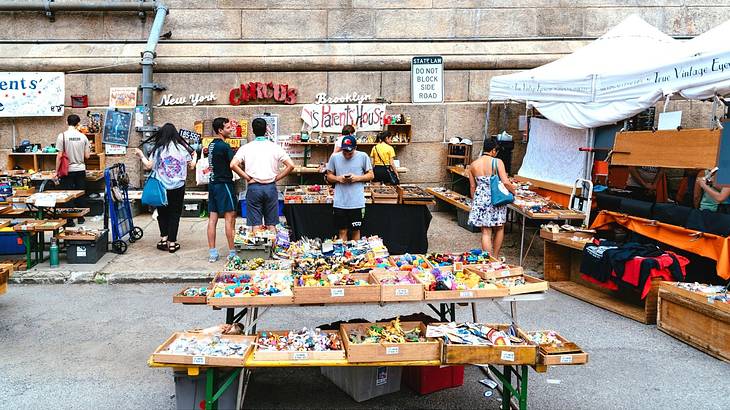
(349,143)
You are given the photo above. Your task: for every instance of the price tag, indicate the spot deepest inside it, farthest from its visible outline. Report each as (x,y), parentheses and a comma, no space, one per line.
(401,292)
(300,356)
(391,350)
(337,292)
(198,359)
(81,251)
(466,294)
(508,356)
(505,272)
(566,359)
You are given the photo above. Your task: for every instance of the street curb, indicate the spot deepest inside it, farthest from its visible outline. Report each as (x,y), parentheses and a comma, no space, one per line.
(33,277)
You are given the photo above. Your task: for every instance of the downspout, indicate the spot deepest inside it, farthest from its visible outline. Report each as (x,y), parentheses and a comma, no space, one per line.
(148,62)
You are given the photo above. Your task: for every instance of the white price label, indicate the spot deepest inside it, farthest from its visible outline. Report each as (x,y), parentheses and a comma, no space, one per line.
(505,273)
(198,359)
(300,356)
(566,359)
(401,292)
(337,292)
(466,294)
(81,251)
(392,350)
(508,356)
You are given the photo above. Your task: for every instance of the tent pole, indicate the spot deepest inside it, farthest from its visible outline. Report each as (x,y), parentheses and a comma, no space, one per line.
(713,117)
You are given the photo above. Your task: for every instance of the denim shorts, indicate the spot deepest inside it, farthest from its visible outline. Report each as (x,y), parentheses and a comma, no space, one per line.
(262,204)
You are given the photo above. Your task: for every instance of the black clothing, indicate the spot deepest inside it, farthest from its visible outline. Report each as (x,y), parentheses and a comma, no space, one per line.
(168,217)
(220,155)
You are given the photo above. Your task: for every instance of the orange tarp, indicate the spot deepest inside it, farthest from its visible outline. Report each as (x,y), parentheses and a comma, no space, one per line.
(707,245)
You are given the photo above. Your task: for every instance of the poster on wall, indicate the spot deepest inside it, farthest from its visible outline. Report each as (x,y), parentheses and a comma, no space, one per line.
(38,94)
(123,97)
(117,125)
(272,125)
(332,117)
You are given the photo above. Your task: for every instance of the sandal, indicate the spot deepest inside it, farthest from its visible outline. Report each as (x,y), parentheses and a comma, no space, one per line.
(173,248)
(162,245)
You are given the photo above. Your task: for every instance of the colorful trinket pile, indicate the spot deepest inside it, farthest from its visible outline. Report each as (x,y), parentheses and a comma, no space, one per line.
(206,346)
(256,284)
(235,263)
(343,278)
(313,340)
(545,338)
(509,282)
(474,334)
(203,291)
(444,279)
(713,292)
(388,333)
(392,278)
(473,257)
(409,262)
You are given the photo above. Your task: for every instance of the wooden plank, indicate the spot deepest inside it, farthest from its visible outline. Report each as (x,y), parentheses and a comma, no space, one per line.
(602,300)
(448,197)
(687,148)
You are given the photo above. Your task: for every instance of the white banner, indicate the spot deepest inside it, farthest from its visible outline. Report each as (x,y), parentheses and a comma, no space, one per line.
(552,153)
(31,94)
(332,117)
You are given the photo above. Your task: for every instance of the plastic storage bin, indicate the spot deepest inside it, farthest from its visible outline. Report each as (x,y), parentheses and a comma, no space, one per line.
(192,208)
(429,379)
(10,242)
(190,392)
(365,383)
(87,251)
(463,218)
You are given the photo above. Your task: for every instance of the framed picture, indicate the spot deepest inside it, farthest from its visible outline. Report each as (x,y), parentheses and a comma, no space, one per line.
(272,125)
(122,97)
(117,126)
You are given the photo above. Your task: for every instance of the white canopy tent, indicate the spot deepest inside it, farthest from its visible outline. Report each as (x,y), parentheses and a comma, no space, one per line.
(625,71)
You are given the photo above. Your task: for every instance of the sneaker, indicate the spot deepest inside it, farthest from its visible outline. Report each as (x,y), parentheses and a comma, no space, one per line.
(212,257)
(231,255)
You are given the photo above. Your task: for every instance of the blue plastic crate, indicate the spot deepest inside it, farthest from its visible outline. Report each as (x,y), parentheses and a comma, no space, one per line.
(11,243)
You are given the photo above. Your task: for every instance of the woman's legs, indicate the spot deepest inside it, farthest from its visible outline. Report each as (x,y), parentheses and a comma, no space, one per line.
(175,199)
(498,238)
(487,239)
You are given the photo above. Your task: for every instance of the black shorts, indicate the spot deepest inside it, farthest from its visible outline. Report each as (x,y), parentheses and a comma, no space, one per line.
(349,218)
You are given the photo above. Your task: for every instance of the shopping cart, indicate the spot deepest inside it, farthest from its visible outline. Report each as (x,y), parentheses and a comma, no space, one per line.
(118,208)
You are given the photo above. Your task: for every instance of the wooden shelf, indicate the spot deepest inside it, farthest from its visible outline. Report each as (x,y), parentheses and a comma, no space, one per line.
(330,144)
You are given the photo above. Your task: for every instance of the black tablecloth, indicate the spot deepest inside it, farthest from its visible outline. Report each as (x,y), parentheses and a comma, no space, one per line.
(404,228)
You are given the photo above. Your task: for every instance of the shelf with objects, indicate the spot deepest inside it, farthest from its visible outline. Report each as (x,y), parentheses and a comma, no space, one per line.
(256,287)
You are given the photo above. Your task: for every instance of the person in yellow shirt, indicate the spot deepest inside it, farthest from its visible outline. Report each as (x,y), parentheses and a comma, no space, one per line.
(383,156)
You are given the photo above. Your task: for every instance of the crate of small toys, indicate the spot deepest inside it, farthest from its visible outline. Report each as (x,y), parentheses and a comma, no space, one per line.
(517,285)
(397,286)
(442,283)
(334,285)
(237,264)
(388,342)
(476,343)
(204,349)
(554,349)
(304,344)
(191,295)
(250,288)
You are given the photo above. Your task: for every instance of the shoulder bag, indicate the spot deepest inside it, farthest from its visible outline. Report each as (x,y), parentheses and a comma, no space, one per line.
(63,163)
(500,194)
(391,174)
(154,193)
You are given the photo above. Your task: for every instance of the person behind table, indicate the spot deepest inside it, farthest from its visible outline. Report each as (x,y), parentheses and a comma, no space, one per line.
(261,159)
(713,199)
(383,157)
(220,188)
(346,130)
(170,157)
(349,170)
(643,182)
(483,214)
(78,150)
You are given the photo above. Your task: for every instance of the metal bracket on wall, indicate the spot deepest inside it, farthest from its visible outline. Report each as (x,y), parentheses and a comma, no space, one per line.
(147,129)
(49,13)
(142,15)
(153,86)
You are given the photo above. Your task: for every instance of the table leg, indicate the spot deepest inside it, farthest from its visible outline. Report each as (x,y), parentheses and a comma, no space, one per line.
(211,394)
(522,396)
(522,239)
(506,388)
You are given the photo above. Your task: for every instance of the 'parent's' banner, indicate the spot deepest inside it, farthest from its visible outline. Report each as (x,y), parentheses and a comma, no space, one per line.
(332,117)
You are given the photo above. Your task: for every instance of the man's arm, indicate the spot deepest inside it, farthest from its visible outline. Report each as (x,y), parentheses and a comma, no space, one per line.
(87,148)
(334,179)
(368,176)
(288,168)
(235,165)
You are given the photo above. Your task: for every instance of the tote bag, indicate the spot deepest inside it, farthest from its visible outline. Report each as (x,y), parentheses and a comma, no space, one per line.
(154,193)
(62,170)
(500,194)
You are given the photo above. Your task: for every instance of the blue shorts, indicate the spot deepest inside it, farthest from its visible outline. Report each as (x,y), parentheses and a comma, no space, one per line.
(220,197)
(262,204)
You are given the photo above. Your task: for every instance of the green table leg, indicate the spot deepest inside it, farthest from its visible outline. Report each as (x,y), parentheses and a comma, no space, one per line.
(509,390)
(28,249)
(211,398)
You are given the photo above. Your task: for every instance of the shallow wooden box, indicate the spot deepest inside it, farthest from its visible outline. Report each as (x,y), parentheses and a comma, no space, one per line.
(532,285)
(549,356)
(470,354)
(227,301)
(180,297)
(462,294)
(498,273)
(308,295)
(389,352)
(688,316)
(400,292)
(238,361)
(293,356)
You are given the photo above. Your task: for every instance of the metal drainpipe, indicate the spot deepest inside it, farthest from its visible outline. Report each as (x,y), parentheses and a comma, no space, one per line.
(148,55)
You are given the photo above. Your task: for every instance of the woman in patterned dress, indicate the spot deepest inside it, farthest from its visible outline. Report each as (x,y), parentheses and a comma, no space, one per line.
(489,218)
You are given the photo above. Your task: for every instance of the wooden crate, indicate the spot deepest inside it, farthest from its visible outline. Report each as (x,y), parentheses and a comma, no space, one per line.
(389,352)
(532,284)
(285,298)
(688,317)
(315,295)
(24,191)
(472,354)
(6,270)
(384,194)
(464,294)
(571,355)
(180,297)
(293,356)
(400,292)
(414,195)
(493,274)
(237,361)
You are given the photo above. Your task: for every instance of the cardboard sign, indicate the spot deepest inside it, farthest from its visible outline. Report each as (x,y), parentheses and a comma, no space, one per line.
(31,94)
(332,117)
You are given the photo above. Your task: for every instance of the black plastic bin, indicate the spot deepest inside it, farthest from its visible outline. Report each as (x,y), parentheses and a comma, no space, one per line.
(463,218)
(87,252)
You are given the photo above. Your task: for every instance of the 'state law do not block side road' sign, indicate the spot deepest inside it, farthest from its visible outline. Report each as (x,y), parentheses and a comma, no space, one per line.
(427,79)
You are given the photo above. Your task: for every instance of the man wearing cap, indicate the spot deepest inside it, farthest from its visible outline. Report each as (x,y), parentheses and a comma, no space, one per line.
(349,170)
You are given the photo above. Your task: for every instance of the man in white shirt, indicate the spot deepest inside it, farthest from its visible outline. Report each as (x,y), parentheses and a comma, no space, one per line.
(261,160)
(77,149)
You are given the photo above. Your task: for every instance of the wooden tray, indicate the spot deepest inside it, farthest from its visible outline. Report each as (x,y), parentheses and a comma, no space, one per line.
(569,354)
(389,352)
(159,357)
(311,295)
(180,297)
(400,292)
(532,285)
(228,301)
(260,355)
(492,274)
(469,354)
(24,192)
(462,294)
